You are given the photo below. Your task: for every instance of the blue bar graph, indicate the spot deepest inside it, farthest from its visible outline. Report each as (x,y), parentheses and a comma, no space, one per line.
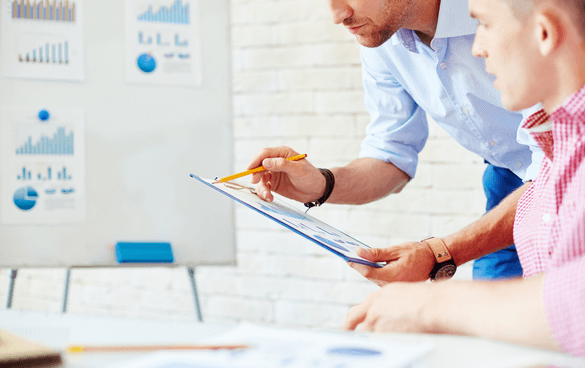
(176,13)
(180,43)
(26,174)
(59,144)
(59,55)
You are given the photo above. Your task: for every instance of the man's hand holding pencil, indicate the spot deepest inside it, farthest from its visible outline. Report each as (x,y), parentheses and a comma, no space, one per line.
(298,180)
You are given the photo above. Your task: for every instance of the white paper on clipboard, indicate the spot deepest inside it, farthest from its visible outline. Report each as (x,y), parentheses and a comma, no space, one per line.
(301,223)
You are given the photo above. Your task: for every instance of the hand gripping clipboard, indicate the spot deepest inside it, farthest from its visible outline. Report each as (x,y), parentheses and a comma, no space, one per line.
(305,225)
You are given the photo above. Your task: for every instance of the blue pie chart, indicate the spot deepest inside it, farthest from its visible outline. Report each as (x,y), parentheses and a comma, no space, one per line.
(25,198)
(146,63)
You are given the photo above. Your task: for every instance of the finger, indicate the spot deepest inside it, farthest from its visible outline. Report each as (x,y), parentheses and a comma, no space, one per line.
(376,275)
(368,325)
(256,177)
(282,151)
(355,316)
(378,254)
(279,164)
(263,191)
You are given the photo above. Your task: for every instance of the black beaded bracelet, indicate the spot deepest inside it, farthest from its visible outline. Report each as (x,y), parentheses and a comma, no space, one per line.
(329,184)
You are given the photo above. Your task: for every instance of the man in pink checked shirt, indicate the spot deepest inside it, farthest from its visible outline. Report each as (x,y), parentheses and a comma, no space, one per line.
(536,49)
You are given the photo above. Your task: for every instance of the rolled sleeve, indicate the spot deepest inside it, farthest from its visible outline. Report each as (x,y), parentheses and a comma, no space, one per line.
(398,127)
(564,301)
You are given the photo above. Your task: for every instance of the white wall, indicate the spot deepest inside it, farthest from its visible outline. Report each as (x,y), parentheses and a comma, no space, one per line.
(296,81)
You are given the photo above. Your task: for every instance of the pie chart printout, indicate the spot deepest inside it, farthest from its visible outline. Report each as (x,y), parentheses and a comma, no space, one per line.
(25,198)
(146,63)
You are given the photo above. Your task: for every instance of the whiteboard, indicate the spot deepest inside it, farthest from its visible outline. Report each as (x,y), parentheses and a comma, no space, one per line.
(141,143)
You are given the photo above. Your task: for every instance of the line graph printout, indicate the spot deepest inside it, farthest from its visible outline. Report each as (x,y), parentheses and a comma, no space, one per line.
(42,39)
(42,166)
(162,42)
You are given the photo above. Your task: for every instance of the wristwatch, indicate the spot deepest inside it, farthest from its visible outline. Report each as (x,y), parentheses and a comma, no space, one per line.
(444,265)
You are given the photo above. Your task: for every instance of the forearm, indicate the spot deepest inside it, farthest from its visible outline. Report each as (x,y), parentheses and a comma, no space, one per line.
(365,180)
(492,232)
(510,310)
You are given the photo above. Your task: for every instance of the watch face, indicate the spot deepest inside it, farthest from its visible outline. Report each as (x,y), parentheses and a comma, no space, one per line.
(446,272)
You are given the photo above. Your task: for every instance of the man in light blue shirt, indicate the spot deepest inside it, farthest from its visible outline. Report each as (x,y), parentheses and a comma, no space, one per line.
(417,60)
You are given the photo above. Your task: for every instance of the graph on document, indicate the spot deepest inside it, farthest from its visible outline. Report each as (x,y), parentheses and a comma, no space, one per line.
(53,53)
(60,11)
(45,173)
(176,13)
(58,143)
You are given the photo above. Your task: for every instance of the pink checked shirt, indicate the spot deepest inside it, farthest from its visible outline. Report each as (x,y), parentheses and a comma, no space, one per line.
(549,229)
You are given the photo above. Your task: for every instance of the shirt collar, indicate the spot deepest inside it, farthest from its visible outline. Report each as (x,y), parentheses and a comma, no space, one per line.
(454,21)
(573,106)
(539,126)
(534,121)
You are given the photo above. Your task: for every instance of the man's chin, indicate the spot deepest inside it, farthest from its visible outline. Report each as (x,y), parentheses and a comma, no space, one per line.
(374,40)
(512,105)
(369,42)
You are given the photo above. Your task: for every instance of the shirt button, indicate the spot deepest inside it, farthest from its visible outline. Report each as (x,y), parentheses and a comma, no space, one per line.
(546,217)
(493,143)
(443,66)
(465,110)
(518,164)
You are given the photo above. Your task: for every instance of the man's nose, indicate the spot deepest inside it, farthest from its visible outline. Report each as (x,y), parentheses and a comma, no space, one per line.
(477,49)
(339,10)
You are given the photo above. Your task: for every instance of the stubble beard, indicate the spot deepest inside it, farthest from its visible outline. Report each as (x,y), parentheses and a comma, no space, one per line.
(380,34)
(376,39)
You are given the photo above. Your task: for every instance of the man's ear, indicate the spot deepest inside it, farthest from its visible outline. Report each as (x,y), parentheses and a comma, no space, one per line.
(549,31)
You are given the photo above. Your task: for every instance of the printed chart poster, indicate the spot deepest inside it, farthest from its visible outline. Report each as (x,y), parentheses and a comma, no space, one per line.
(162,42)
(43,39)
(42,166)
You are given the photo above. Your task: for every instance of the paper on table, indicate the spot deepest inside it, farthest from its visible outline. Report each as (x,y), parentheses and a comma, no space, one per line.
(303,224)
(278,347)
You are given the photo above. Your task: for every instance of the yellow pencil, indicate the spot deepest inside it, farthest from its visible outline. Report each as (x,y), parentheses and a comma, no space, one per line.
(258,169)
(81,349)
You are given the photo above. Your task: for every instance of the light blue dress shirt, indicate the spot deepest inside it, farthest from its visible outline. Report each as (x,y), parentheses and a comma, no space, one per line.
(404,79)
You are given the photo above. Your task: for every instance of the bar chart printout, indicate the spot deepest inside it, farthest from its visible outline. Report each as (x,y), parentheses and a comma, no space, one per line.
(42,166)
(42,39)
(163,44)
(45,174)
(176,13)
(59,144)
(49,53)
(62,11)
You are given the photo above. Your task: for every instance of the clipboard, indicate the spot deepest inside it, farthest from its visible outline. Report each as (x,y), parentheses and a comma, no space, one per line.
(295,220)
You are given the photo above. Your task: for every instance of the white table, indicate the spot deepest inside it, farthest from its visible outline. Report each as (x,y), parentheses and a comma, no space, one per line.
(61,330)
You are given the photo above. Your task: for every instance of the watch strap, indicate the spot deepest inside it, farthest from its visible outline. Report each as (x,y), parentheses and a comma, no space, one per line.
(439,249)
(329,185)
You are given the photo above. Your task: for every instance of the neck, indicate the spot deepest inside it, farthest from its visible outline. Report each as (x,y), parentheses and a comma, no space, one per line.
(427,17)
(568,78)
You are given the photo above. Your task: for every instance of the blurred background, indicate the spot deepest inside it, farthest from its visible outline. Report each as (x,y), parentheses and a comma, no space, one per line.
(296,81)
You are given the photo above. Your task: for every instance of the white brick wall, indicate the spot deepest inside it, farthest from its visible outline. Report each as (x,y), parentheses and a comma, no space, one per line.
(296,81)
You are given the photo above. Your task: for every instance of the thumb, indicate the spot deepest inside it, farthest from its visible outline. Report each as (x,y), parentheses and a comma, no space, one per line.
(279,164)
(376,254)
